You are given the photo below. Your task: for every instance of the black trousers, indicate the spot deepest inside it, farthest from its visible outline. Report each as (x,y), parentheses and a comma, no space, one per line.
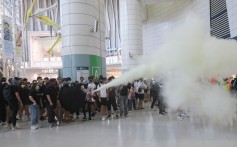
(14,108)
(112,102)
(88,104)
(154,101)
(2,112)
(51,114)
(134,103)
(97,102)
(161,104)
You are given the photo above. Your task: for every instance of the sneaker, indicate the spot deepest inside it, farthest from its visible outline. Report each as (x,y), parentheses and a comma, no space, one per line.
(50,125)
(8,126)
(103,118)
(39,126)
(93,114)
(142,108)
(84,118)
(3,124)
(14,128)
(108,116)
(58,123)
(116,116)
(164,113)
(184,115)
(34,127)
(89,118)
(161,113)
(179,117)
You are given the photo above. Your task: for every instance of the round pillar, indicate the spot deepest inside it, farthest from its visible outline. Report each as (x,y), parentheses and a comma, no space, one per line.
(83,41)
(131,33)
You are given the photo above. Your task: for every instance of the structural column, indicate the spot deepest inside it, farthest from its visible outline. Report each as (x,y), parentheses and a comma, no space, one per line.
(83,39)
(131,33)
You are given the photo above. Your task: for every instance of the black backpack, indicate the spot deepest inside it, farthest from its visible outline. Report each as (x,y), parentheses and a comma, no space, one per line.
(7,92)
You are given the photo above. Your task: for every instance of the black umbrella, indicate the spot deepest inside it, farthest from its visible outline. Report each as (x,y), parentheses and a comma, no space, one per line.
(72,98)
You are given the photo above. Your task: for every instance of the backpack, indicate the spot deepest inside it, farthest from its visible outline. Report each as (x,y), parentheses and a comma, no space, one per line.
(7,93)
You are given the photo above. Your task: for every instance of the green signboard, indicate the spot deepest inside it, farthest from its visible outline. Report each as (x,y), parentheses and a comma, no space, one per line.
(95,66)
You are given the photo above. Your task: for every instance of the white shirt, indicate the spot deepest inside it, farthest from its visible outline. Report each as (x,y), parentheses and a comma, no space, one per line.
(136,86)
(91,87)
(142,85)
(103,93)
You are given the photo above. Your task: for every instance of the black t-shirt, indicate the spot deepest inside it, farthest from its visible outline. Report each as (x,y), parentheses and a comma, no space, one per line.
(112,92)
(53,93)
(24,92)
(14,89)
(33,93)
(124,90)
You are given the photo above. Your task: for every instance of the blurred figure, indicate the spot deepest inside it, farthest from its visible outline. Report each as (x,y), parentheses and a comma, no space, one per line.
(3,103)
(112,100)
(51,103)
(24,92)
(124,89)
(34,106)
(103,99)
(11,94)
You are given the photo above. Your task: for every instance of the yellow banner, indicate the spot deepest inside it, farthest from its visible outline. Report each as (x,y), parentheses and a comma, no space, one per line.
(46,20)
(59,39)
(29,11)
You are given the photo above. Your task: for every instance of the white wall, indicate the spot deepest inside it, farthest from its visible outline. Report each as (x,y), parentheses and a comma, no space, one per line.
(232,15)
(164,15)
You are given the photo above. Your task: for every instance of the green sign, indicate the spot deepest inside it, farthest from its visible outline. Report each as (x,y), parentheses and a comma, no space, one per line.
(95,66)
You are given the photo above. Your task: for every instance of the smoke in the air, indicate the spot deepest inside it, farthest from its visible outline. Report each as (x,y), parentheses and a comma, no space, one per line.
(186,62)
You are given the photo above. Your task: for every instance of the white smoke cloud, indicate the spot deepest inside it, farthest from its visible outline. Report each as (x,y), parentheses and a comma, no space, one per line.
(192,57)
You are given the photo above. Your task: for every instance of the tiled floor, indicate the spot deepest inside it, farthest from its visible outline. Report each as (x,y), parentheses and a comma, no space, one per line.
(141,129)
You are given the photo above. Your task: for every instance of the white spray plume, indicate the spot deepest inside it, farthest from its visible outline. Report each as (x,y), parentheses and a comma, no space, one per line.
(190,54)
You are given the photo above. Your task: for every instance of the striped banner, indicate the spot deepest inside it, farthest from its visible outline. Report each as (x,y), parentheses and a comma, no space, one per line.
(219,19)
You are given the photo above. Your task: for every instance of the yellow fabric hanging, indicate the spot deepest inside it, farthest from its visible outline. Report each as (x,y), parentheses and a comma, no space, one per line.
(46,20)
(29,11)
(59,39)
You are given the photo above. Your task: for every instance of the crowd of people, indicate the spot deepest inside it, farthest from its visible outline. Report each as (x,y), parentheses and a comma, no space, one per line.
(61,99)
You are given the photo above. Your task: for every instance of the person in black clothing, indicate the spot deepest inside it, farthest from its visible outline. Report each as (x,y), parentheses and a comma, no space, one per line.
(155,93)
(34,106)
(42,96)
(24,92)
(13,103)
(3,103)
(51,103)
(156,88)
(124,89)
(112,99)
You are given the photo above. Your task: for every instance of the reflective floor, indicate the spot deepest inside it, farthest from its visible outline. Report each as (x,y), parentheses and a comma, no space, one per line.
(143,128)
